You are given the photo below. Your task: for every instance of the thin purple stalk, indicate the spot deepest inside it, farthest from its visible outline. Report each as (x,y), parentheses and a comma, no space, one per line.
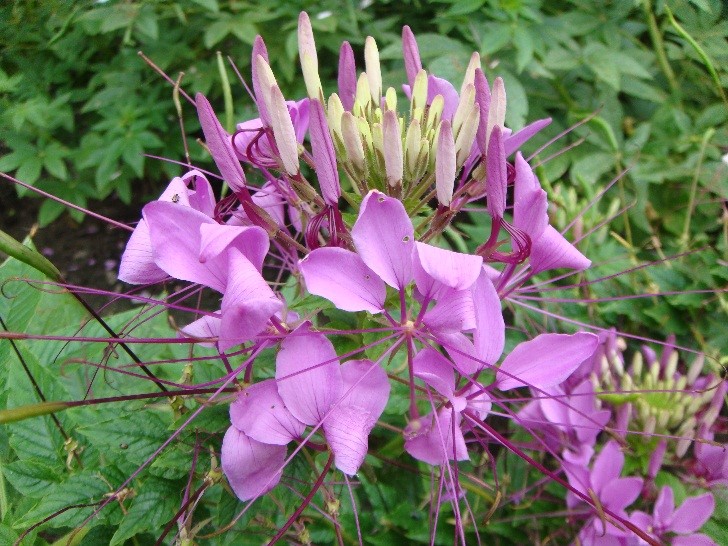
(66,203)
(306,501)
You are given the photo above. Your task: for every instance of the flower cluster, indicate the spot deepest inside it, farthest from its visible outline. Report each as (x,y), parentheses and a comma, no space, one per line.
(356,192)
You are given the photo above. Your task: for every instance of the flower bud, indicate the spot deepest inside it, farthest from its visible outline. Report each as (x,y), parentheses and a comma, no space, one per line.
(412,147)
(411,54)
(347,76)
(445,165)
(373,69)
(308,56)
(352,142)
(392,147)
(469,78)
(497,111)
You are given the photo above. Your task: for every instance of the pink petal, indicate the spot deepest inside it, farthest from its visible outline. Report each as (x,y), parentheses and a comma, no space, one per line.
(490,330)
(137,262)
(693,513)
(347,76)
(412,63)
(218,142)
(175,237)
(620,493)
(435,370)
(482,97)
(695,539)
(324,157)
(454,312)
(517,139)
(308,375)
(497,177)
(205,327)
(248,303)
(384,236)
(530,203)
(260,412)
(461,350)
(607,466)
(252,468)
(341,277)
(453,269)
(202,198)
(259,82)
(546,360)
(438,86)
(664,506)
(269,199)
(478,400)
(216,239)
(366,391)
(435,441)
(552,251)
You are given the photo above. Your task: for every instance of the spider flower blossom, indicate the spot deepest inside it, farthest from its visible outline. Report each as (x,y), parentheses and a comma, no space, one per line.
(385,165)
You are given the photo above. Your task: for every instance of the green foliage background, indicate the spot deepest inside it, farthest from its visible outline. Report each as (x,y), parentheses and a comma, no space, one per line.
(79,108)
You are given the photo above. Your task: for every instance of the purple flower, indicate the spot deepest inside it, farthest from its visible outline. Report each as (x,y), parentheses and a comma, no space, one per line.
(311,388)
(604,482)
(676,526)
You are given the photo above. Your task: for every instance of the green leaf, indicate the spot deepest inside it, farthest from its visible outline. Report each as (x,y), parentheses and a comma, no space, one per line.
(132,436)
(29,170)
(83,488)
(523,40)
(209,5)
(150,510)
(216,32)
(31,477)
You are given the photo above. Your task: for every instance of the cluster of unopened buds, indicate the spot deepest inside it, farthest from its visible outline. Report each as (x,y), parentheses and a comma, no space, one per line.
(303,239)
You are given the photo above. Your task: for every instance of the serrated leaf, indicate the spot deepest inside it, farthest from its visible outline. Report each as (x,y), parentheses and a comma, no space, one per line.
(132,436)
(150,510)
(79,489)
(30,477)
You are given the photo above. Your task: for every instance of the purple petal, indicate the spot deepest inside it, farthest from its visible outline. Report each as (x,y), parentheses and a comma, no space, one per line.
(517,139)
(553,251)
(438,86)
(478,400)
(175,237)
(695,539)
(205,327)
(664,506)
(218,142)
(454,269)
(366,391)
(202,197)
(308,375)
(435,441)
(607,466)
(454,312)
(283,131)
(530,203)
(435,370)
(497,177)
(247,305)
(347,76)
(461,350)
(384,236)
(324,157)
(482,97)
(137,262)
(259,81)
(490,330)
(618,494)
(216,239)
(546,360)
(393,158)
(252,468)
(260,412)
(341,277)
(412,63)
(692,514)
(269,199)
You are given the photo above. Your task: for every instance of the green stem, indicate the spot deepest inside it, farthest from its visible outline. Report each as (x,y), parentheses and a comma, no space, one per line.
(659,45)
(685,238)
